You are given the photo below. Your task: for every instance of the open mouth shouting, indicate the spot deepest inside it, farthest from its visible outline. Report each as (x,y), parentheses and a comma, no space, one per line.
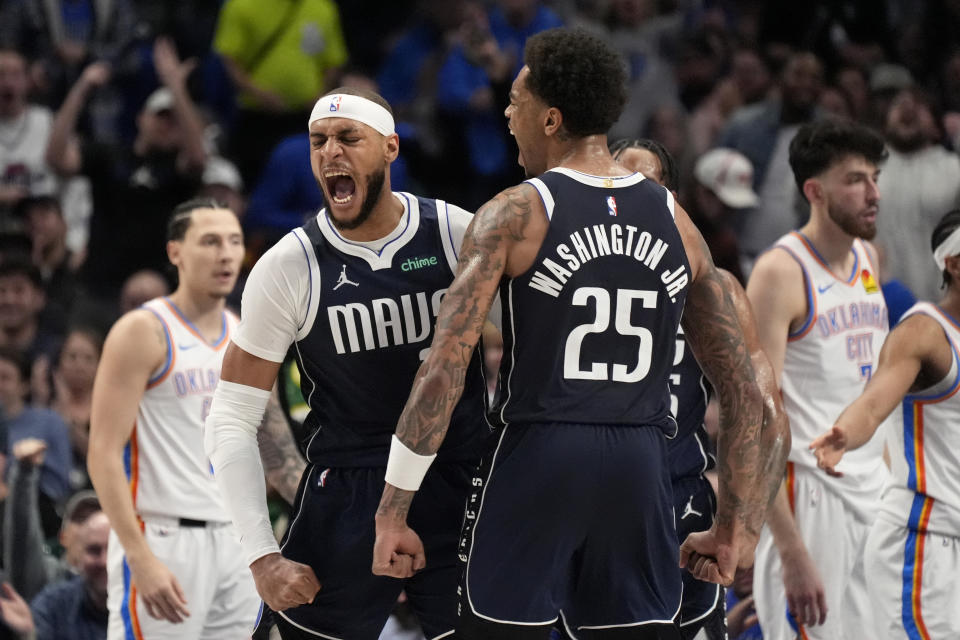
(340,186)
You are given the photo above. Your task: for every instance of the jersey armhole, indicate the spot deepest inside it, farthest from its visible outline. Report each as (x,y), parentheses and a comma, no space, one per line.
(808,320)
(167,367)
(446,235)
(948,385)
(545,196)
(313,284)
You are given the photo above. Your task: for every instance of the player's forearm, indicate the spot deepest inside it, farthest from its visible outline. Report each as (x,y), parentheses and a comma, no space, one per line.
(113,489)
(775,444)
(282,461)
(713,332)
(783,527)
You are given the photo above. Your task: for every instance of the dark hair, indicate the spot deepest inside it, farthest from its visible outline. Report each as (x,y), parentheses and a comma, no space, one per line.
(28,204)
(668,168)
(819,145)
(20,266)
(579,74)
(372,96)
(947,225)
(182,215)
(93,335)
(18,360)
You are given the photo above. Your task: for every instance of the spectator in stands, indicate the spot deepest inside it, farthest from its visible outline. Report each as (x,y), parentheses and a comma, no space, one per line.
(221,181)
(23,324)
(76,608)
(281,55)
(24,130)
(473,85)
(133,189)
(140,287)
(44,224)
(73,388)
(31,422)
(762,132)
(919,181)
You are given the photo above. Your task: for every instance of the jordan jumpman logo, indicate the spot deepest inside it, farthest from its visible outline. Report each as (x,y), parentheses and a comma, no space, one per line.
(689,510)
(343,279)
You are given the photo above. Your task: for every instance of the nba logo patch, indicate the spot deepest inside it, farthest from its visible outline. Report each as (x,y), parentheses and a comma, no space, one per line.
(335,103)
(611,205)
(322,480)
(869,283)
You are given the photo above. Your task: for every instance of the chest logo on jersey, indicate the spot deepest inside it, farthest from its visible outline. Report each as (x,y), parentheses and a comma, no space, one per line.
(383,322)
(869,283)
(851,317)
(343,279)
(412,264)
(195,381)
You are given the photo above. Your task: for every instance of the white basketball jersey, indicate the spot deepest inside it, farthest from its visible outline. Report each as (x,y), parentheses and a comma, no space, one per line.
(169,472)
(23,143)
(924,491)
(829,360)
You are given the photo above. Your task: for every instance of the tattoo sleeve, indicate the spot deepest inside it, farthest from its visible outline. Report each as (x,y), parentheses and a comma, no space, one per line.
(716,338)
(437,387)
(282,461)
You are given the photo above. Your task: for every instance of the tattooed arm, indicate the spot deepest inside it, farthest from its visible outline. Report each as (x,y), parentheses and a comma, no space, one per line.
(282,461)
(502,239)
(713,331)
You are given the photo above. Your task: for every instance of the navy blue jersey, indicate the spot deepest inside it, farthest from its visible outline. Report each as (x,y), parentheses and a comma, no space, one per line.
(589,330)
(369,336)
(688,453)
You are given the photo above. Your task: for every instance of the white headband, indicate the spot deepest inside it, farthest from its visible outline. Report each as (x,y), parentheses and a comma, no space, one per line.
(947,248)
(345,105)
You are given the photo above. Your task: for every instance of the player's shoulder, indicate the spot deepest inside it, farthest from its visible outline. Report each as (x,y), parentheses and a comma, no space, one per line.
(290,251)
(777,262)
(140,332)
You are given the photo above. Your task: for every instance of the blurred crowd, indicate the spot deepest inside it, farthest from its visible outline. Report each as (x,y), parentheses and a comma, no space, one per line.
(114,111)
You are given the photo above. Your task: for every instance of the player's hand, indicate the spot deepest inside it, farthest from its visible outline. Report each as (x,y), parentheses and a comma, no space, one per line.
(282,583)
(709,558)
(397,551)
(158,587)
(741,617)
(806,599)
(829,448)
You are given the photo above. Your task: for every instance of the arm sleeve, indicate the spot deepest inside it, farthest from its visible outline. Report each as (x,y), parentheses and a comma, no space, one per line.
(276,300)
(23,554)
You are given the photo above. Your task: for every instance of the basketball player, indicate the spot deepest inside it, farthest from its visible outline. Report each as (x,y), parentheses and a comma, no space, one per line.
(822,320)
(911,552)
(577,514)
(688,454)
(355,292)
(175,568)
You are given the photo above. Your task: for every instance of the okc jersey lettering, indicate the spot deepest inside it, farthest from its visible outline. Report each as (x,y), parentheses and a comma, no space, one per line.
(193,381)
(851,317)
(394,324)
(605,240)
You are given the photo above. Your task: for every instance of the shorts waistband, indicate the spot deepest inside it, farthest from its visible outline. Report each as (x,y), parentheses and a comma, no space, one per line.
(170,521)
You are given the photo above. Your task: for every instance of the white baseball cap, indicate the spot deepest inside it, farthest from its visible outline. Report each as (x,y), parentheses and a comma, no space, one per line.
(160,100)
(729,174)
(219,170)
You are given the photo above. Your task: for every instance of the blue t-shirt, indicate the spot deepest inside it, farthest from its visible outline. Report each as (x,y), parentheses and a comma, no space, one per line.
(49,427)
(64,611)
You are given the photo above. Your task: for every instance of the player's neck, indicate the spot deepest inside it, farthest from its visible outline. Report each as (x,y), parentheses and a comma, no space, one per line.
(831,243)
(588,155)
(950,302)
(203,310)
(384,218)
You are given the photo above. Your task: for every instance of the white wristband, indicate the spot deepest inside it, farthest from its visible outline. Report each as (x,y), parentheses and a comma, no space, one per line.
(406,469)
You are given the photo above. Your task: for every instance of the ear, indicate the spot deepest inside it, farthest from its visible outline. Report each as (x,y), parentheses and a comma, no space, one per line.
(813,190)
(173,251)
(392,147)
(552,121)
(952,266)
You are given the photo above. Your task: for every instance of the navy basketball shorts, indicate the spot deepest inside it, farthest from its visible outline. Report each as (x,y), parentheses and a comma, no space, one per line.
(694,505)
(332,530)
(572,518)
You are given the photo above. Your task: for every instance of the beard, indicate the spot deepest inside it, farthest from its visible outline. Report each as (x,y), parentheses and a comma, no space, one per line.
(852,225)
(375,184)
(906,142)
